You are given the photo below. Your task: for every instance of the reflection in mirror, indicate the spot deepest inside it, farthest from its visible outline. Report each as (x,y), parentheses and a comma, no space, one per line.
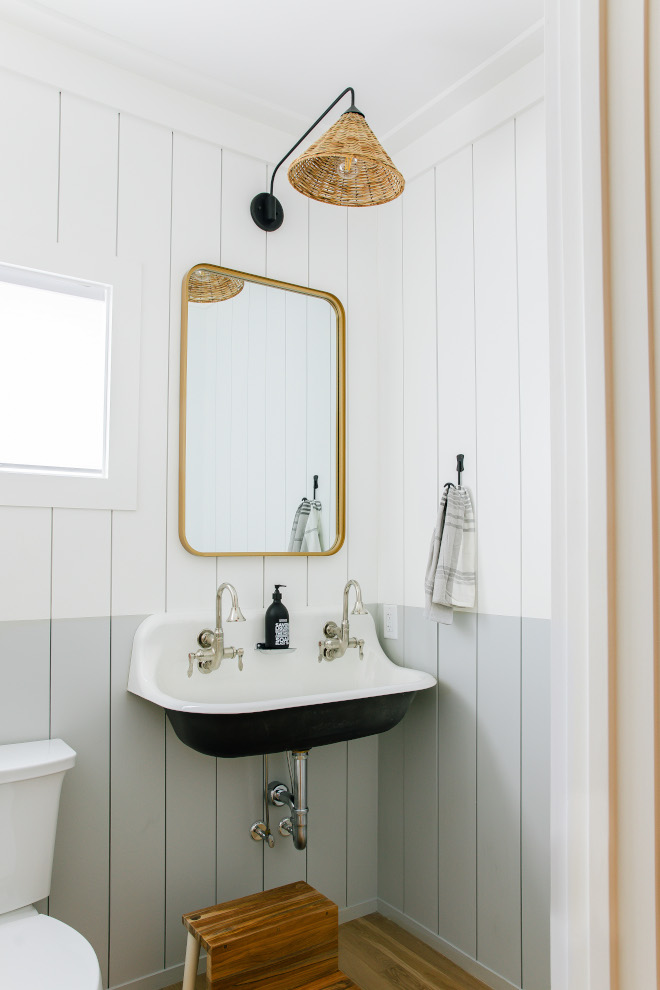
(261,416)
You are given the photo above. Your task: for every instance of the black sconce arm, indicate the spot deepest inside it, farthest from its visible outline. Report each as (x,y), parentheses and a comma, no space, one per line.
(265,209)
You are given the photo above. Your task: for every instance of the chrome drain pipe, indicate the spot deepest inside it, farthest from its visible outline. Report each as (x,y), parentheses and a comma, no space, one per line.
(279,795)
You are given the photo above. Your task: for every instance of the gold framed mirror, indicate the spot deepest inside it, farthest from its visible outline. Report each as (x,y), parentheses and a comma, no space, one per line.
(262,419)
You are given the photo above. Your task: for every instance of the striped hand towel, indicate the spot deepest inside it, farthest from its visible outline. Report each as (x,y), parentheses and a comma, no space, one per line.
(450,574)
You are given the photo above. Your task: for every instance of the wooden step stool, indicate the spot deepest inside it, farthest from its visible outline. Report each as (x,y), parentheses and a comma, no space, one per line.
(281,939)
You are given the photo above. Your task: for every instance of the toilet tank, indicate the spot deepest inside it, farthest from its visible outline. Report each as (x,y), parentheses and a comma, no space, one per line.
(31,777)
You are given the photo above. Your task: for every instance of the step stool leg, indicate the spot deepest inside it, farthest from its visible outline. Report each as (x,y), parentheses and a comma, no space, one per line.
(192,960)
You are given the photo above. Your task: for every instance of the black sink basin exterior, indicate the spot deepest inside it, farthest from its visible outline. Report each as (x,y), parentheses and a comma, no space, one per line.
(254,733)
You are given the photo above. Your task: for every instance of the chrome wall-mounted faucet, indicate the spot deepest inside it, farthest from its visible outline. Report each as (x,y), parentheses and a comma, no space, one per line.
(338,640)
(212,642)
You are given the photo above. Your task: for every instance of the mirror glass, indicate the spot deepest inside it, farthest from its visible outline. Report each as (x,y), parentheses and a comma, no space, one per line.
(262,416)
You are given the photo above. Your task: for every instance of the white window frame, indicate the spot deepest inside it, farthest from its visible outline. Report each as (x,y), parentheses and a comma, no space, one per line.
(118,489)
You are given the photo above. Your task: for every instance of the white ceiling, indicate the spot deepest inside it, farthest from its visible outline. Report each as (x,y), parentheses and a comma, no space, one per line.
(281,62)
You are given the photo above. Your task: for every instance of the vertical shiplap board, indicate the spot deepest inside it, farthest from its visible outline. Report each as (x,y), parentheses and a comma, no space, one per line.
(29,120)
(88,175)
(275,394)
(535,804)
(196,182)
(81,563)
(221,428)
(239,782)
(498,526)
(240,860)
(535,528)
(420,417)
(295,406)
(362,815)
(326,850)
(390,403)
(362,398)
(190,847)
(25,535)
(390,784)
(420,777)
(202,453)
(137,820)
(255,393)
(326,834)
(328,233)
(457,429)
(243,247)
(457,782)
(191,581)
(138,537)
(534,362)
(320,400)
(80,714)
(497,373)
(286,260)
(238,423)
(25,679)
(284,863)
(137,729)
(457,643)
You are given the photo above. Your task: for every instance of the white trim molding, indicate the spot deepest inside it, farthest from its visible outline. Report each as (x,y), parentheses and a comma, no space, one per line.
(580,932)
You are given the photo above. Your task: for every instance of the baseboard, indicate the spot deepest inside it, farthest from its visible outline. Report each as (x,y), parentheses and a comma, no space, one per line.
(354,911)
(466,962)
(164,978)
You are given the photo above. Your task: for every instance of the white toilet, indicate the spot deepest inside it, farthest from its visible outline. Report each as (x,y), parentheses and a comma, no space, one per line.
(36,952)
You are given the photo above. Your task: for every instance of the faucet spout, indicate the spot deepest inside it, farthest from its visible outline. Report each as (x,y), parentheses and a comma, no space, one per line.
(338,640)
(235,614)
(212,642)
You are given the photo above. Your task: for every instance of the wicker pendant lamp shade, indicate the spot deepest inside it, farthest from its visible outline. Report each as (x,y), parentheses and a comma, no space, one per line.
(347,166)
(210,287)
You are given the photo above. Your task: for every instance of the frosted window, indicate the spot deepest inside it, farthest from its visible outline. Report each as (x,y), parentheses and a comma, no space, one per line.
(54,347)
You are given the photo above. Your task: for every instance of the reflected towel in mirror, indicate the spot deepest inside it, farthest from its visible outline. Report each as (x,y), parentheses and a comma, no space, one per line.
(306,535)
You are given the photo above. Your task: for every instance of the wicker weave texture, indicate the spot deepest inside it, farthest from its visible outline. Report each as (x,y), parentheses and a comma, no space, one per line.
(210,287)
(347,166)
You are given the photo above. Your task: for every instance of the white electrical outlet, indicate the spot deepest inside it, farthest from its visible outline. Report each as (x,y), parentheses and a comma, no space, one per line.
(390,625)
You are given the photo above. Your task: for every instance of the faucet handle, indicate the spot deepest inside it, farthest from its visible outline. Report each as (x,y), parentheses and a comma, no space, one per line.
(191,664)
(239,653)
(357,644)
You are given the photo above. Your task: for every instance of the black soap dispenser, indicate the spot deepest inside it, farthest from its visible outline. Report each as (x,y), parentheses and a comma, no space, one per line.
(277,622)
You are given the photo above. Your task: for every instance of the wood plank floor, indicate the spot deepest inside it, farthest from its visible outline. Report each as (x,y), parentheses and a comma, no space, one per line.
(379,955)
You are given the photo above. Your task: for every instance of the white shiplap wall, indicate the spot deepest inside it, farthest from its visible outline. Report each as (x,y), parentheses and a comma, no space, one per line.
(146,829)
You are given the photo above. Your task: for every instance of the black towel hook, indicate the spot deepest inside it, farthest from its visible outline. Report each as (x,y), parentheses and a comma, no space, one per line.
(316,485)
(459,467)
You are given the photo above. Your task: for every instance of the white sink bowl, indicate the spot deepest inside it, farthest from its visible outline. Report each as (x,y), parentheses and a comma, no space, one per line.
(279,701)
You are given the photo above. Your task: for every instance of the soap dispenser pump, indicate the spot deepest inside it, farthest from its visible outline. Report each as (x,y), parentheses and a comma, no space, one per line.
(277,622)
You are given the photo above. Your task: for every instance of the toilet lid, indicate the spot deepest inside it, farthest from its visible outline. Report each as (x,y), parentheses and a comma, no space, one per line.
(39,951)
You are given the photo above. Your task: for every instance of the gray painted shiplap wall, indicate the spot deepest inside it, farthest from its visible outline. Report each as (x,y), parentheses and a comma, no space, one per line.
(464,796)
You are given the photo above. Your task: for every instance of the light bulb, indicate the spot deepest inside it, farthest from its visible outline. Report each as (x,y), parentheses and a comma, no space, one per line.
(348,167)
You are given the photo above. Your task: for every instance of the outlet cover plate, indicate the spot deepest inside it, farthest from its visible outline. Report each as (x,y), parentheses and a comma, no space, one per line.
(390,623)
